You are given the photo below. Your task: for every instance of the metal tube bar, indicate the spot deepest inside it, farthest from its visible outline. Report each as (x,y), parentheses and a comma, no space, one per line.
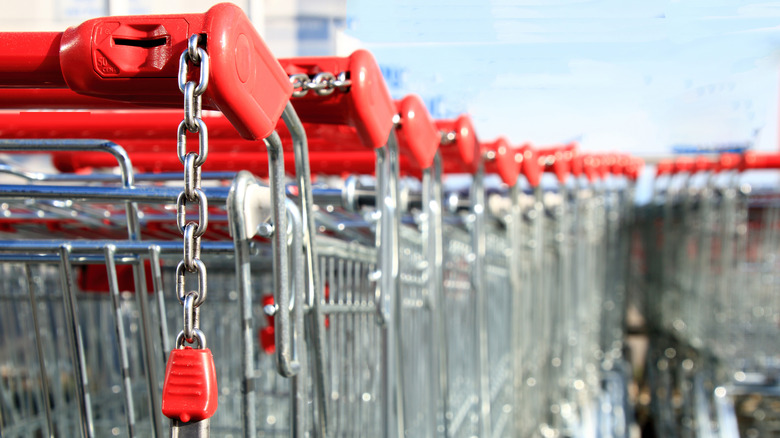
(480,285)
(124,363)
(75,338)
(314,299)
(39,348)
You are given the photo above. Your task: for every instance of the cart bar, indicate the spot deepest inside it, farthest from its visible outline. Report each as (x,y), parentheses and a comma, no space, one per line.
(92,193)
(530,167)
(365,106)
(461,151)
(121,247)
(754,160)
(135,59)
(558,160)
(504,160)
(31,58)
(417,135)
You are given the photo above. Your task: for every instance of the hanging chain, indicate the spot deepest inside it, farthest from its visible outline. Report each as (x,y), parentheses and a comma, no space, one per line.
(192,231)
(323,83)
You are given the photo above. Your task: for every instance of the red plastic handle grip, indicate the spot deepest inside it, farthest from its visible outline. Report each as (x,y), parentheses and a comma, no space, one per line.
(606,163)
(135,59)
(530,168)
(506,162)
(620,167)
(30,59)
(754,160)
(576,166)
(704,164)
(634,168)
(729,161)
(683,165)
(590,166)
(462,155)
(365,106)
(558,160)
(664,167)
(110,125)
(417,134)
(256,161)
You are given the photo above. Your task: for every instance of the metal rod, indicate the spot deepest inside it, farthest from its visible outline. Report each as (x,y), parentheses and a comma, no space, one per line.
(478,280)
(122,248)
(432,193)
(244,286)
(76,343)
(159,293)
(294,349)
(145,194)
(279,218)
(314,298)
(39,348)
(124,363)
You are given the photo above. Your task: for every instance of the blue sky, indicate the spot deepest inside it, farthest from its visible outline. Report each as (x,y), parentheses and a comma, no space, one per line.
(636,76)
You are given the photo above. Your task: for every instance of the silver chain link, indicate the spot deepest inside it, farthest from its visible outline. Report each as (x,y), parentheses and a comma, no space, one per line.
(192,231)
(323,84)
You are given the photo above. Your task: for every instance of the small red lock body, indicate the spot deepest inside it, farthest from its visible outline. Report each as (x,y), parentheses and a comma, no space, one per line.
(190,387)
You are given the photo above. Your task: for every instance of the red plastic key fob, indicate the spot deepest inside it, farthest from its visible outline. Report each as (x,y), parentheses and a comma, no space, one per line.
(190,388)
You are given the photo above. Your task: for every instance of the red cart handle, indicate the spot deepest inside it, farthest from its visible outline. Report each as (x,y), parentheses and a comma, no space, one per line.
(362,100)
(590,167)
(505,160)
(634,168)
(683,165)
(704,164)
(460,149)
(664,167)
(729,161)
(417,135)
(620,167)
(135,59)
(529,164)
(755,160)
(558,160)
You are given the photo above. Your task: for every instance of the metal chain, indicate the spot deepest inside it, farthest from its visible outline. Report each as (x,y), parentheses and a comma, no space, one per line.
(323,83)
(192,231)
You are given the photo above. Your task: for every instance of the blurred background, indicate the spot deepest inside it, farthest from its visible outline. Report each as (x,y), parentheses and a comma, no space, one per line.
(645,77)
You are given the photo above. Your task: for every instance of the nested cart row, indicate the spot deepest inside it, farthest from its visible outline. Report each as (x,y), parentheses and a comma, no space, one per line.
(370,271)
(705,279)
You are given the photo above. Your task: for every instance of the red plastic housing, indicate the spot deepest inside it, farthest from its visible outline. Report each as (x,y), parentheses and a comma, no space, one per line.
(634,168)
(530,167)
(754,160)
(576,165)
(135,59)
(504,163)
(729,161)
(366,105)
(683,165)
(462,155)
(417,134)
(147,137)
(190,387)
(590,166)
(560,158)
(664,167)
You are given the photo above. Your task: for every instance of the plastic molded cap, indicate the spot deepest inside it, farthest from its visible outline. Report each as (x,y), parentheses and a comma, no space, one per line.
(465,142)
(417,133)
(366,105)
(506,163)
(530,167)
(664,167)
(136,59)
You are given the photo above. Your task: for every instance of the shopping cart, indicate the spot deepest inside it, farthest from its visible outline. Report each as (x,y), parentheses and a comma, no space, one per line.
(377,299)
(712,353)
(123,71)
